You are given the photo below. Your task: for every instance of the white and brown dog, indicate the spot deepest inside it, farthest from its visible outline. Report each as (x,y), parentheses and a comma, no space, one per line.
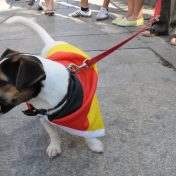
(58,96)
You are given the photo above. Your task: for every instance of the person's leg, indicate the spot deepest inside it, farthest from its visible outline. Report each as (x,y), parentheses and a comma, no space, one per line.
(106,3)
(137,12)
(49,4)
(131,4)
(49,10)
(161,26)
(172,26)
(46,3)
(84,4)
(84,11)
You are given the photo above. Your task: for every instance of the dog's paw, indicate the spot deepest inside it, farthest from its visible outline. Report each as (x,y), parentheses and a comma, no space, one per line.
(95,145)
(53,149)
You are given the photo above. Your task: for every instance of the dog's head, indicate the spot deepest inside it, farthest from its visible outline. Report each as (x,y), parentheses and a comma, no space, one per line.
(21,78)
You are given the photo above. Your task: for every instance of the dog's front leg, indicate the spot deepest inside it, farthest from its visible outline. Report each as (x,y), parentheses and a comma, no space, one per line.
(94,144)
(54,147)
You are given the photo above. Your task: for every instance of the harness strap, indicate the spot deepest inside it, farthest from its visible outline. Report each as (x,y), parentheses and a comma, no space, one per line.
(32,111)
(69,103)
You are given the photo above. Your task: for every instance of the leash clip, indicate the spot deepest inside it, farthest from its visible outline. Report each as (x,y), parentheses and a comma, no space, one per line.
(75,68)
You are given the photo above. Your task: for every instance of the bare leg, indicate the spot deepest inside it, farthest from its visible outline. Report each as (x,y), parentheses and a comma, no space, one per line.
(49,4)
(84,3)
(94,144)
(54,147)
(46,3)
(106,3)
(83,11)
(130,8)
(137,10)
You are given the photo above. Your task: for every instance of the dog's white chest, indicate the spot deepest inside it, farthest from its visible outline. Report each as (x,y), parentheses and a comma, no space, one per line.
(54,86)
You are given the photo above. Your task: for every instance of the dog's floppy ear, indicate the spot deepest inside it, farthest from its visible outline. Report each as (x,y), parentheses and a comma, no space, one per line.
(8,52)
(29,73)
(23,70)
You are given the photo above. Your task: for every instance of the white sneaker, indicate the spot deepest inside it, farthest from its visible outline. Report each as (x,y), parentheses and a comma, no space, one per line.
(102,14)
(79,13)
(38,5)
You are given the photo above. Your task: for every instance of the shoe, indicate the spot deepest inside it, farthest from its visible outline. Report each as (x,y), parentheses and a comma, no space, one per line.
(49,12)
(38,5)
(102,14)
(79,13)
(115,21)
(124,22)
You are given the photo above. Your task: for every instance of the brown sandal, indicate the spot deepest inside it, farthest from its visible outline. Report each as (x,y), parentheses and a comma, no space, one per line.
(49,12)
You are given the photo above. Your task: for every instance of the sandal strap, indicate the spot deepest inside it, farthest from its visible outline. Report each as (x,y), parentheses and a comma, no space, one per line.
(49,12)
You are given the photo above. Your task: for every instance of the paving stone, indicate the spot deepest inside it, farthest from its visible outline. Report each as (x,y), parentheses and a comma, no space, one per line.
(136,93)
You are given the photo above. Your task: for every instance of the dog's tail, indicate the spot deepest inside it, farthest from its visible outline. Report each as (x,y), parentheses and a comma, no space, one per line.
(47,39)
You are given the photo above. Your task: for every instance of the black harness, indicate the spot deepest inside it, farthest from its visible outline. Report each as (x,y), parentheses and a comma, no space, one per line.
(69,104)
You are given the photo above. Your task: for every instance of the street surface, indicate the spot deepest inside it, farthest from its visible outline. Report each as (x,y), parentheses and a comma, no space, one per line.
(136,90)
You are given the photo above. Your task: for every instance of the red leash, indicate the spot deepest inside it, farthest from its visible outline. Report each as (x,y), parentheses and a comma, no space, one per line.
(89,62)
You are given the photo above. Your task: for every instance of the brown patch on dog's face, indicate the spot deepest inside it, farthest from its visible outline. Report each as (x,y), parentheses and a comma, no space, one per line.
(20,79)
(3,77)
(11,95)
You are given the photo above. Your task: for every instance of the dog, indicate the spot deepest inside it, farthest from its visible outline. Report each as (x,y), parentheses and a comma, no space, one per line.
(59,97)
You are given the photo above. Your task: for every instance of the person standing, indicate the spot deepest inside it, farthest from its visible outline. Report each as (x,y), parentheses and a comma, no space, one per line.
(166,23)
(134,16)
(84,10)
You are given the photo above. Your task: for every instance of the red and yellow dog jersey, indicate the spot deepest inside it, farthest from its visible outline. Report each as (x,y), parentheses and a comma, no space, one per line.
(87,120)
